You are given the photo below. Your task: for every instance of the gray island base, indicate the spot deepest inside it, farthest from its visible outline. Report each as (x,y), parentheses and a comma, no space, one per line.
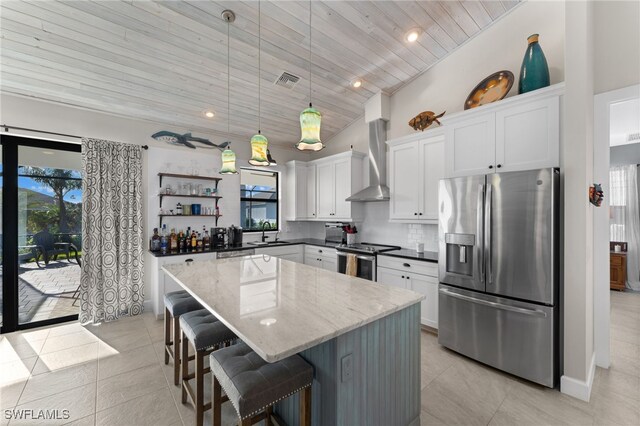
(362,338)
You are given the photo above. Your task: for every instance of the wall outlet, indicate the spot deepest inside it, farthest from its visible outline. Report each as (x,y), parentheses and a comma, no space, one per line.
(347,367)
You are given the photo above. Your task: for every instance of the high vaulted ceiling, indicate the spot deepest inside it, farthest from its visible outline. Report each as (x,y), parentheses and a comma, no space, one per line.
(167,61)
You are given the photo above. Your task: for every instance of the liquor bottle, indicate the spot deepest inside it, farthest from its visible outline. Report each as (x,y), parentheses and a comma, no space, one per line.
(164,241)
(187,239)
(199,243)
(181,240)
(154,244)
(217,210)
(173,240)
(194,240)
(206,240)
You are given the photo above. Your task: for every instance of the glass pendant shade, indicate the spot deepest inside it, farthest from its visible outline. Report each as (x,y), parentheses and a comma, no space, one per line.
(310,120)
(228,162)
(259,146)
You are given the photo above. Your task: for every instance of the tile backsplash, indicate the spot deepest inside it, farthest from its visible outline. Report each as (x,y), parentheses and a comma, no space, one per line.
(427,234)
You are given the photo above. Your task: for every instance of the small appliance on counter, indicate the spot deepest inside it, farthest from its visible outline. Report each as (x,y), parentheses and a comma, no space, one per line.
(334,232)
(234,236)
(217,237)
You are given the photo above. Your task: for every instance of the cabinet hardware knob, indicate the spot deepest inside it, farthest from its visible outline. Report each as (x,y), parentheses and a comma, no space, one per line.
(420,214)
(499,165)
(319,251)
(408,277)
(415,214)
(491,167)
(188,260)
(403,276)
(406,265)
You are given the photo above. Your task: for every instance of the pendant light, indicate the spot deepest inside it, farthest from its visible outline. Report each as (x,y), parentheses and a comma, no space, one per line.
(259,143)
(228,156)
(310,118)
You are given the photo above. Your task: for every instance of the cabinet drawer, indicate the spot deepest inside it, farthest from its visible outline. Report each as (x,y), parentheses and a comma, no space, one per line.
(616,260)
(408,265)
(319,251)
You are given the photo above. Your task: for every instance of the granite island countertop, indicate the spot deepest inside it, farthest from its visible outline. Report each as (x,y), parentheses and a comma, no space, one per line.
(280,308)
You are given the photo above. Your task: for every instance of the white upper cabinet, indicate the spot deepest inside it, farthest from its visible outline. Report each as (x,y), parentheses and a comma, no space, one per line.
(470,148)
(518,133)
(416,164)
(327,183)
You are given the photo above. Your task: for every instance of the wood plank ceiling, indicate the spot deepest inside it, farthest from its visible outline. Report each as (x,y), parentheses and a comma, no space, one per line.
(166,61)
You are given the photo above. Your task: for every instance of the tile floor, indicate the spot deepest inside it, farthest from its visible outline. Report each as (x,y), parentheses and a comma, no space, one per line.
(114,374)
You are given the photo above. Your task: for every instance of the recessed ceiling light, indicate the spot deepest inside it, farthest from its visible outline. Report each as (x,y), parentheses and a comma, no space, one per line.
(209,114)
(48,152)
(357,83)
(412,35)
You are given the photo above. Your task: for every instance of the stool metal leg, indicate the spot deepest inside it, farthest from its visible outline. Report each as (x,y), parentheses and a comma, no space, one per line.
(268,412)
(176,351)
(167,334)
(185,366)
(305,407)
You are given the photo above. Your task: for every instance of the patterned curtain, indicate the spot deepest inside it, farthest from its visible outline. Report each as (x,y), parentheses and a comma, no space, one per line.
(111,281)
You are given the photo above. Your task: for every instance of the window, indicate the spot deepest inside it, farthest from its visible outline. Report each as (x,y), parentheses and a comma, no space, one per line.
(258,200)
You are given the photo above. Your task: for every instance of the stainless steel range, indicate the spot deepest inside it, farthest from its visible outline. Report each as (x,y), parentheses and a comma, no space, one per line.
(366,257)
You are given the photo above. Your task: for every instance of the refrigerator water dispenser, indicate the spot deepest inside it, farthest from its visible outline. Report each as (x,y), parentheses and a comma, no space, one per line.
(460,253)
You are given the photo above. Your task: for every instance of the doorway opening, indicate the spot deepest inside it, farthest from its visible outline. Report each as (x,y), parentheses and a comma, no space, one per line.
(41,232)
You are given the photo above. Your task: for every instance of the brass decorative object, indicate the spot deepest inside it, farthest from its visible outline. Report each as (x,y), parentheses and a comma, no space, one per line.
(493,88)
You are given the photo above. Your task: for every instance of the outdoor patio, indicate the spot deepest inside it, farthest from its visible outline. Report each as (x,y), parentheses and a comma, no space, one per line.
(47,291)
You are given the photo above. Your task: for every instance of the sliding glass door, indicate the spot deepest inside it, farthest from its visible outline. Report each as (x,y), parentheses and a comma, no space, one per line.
(42,245)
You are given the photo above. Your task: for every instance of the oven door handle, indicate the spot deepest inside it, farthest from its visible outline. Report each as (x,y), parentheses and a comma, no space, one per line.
(359,256)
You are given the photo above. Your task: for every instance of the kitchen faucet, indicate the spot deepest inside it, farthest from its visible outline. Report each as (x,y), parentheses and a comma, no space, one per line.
(264,237)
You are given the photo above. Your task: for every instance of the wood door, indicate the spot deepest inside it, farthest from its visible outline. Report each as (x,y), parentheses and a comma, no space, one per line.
(528,136)
(342,189)
(432,170)
(470,146)
(325,190)
(404,182)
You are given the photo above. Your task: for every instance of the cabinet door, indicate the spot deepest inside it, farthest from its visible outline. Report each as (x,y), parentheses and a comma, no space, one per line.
(470,146)
(403,183)
(429,306)
(294,257)
(391,277)
(342,189)
(330,264)
(432,170)
(325,191)
(313,261)
(528,136)
(311,208)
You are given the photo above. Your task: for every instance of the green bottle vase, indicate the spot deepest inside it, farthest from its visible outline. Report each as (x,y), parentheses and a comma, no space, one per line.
(534,72)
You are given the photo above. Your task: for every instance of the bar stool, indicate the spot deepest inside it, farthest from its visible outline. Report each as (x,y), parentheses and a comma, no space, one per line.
(205,333)
(176,304)
(254,385)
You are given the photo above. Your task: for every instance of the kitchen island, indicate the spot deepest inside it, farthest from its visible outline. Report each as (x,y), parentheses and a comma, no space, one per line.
(362,338)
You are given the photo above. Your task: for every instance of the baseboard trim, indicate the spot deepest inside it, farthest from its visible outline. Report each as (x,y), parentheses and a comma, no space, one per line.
(578,388)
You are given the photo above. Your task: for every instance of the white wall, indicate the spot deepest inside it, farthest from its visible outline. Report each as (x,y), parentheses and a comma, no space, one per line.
(579,361)
(616,44)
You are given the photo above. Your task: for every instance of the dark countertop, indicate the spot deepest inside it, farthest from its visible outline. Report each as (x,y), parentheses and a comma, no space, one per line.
(427,256)
(246,246)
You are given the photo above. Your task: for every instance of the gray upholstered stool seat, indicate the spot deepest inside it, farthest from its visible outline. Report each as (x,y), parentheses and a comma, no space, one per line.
(254,385)
(176,304)
(205,333)
(180,302)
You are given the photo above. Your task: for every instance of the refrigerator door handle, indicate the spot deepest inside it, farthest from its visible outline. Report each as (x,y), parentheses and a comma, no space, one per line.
(487,234)
(523,311)
(480,227)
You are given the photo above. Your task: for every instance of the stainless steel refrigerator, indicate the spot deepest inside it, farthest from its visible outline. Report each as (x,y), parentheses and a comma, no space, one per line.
(498,268)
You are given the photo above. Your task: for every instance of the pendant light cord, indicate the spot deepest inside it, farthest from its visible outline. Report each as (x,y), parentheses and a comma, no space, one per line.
(259,69)
(310,104)
(228,80)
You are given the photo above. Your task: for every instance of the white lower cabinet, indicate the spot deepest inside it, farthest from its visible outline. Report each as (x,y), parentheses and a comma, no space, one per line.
(419,276)
(321,257)
(293,253)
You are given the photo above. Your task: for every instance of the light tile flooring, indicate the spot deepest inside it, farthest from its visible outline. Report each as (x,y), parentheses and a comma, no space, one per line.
(115,374)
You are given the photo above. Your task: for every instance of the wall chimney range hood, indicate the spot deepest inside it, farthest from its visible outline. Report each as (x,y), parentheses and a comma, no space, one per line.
(377,189)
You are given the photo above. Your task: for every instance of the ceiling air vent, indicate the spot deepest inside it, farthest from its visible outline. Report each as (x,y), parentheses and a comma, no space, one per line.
(287,80)
(634,137)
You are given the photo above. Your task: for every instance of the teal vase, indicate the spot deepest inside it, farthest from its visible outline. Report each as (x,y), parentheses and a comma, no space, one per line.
(534,72)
